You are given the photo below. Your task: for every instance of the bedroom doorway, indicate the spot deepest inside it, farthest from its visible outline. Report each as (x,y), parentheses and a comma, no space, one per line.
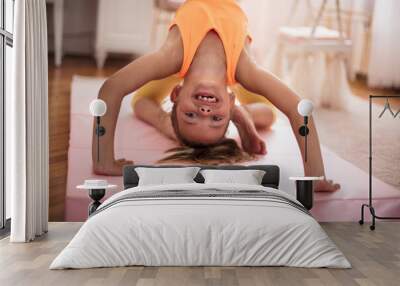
(6,62)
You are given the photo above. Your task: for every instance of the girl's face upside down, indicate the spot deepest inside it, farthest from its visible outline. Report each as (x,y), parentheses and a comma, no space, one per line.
(202,112)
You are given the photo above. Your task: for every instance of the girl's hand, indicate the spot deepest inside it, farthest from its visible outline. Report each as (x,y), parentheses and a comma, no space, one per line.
(114,168)
(252,143)
(326,186)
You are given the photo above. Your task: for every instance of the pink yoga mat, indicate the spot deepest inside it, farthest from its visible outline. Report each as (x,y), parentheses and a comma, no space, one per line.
(140,142)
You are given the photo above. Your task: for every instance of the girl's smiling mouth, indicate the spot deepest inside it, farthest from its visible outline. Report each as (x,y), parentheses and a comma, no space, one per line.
(206,98)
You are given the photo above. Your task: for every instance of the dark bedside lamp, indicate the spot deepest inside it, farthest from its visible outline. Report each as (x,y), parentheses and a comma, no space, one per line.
(97,189)
(304,185)
(98,108)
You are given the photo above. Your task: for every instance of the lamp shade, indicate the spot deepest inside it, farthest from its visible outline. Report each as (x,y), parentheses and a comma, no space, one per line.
(305,107)
(98,107)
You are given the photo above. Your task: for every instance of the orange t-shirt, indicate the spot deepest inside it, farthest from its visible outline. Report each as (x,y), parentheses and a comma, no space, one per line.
(195,18)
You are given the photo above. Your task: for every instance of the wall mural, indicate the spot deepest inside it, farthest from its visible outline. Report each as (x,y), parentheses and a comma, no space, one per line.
(201,91)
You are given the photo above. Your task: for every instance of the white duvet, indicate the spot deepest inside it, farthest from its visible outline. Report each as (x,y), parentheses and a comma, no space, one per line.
(183,231)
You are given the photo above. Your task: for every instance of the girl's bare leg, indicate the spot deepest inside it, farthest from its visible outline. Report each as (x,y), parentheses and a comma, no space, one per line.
(262,115)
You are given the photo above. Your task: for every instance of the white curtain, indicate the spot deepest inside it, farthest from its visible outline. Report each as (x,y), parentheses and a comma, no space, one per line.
(384,61)
(27,124)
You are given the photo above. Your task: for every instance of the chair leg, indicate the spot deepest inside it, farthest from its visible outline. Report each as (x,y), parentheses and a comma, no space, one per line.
(339,19)
(292,11)
(101,56)
(319,16)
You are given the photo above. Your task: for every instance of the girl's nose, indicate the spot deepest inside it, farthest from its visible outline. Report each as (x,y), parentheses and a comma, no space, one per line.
(205,109)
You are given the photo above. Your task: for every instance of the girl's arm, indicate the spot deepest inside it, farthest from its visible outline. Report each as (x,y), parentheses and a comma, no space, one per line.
(259,81)
(152,113)
(157,65)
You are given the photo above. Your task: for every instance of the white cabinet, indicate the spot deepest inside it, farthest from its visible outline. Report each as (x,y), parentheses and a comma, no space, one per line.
(123,26)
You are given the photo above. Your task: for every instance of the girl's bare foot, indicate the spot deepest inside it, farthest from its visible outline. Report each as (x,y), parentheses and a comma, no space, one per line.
(326,186)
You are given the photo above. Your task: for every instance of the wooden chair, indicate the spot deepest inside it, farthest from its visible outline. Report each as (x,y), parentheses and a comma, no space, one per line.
(309,58)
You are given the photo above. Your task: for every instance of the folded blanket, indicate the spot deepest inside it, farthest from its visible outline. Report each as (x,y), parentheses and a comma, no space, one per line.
(205,193)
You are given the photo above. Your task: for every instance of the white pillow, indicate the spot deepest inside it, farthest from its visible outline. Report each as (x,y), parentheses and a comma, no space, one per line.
(165,176)
(247,177)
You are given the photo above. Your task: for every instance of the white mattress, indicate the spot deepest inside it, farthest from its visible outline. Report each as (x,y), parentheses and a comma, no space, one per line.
(189,231)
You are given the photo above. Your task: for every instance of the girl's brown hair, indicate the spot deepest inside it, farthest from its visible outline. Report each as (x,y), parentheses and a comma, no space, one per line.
(226,151)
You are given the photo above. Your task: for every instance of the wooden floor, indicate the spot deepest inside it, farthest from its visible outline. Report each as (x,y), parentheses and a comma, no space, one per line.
(60,80)
(374,255)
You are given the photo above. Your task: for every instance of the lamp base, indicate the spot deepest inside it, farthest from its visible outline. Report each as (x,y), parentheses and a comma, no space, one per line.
(305,193)
(96,195)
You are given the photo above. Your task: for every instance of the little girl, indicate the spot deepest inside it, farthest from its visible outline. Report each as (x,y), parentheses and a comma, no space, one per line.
(254,113)
(207,47)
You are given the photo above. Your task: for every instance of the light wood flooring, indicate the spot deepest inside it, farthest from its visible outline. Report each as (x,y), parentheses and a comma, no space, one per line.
(374,255)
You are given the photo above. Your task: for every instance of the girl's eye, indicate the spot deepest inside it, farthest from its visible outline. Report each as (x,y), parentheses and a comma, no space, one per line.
(216,118)
(189,114)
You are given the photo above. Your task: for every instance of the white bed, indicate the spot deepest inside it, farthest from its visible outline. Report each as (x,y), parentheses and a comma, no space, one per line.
(222,225)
